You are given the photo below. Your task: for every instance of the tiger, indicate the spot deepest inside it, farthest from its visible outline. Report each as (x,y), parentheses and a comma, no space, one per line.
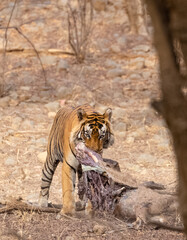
(70,127)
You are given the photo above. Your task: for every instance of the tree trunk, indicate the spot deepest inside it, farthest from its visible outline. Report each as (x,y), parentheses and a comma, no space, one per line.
(169,18)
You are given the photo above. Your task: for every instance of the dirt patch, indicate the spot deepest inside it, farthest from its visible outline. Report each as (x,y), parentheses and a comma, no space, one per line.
(47,226)
(123,80)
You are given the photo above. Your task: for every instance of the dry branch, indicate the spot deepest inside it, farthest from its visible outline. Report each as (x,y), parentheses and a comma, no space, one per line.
(19,205)
(79,27)
(50,51)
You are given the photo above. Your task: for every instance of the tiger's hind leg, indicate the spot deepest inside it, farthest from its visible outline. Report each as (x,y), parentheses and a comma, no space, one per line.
(47,176)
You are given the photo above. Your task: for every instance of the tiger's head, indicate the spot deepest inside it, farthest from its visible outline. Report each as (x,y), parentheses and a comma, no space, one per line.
(95,129)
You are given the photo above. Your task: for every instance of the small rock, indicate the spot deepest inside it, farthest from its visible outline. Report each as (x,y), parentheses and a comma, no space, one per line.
(88,70)
(160,123)
(25,88)
(78,89)
(150,63)
(51,82)
(135,76)
(24,96)
(130,139)
(16,122)
(23,105)
(111,64)
(122,41)
(119,113)
(49,60)
(117,72)
(41,141)
(35,99)
(42,156)
(161,139)
(62,3)
(115,48)
(52,106)
(32,198)
(27,124)
(116,35)
(62,65)
(117,80)
(143,48)
(63,91)
(1,43)
(99,5)
(13,102)
(22,63)
(51,114)
(10,161)
(105,50)
(126,81)
(32,148)
(100,108)
(146,75)
(69,238)
(81,101)
(141,131)
(146,157)
(120,126)
(99,229)
(89,95)
(45,94)
(10,132)
(118,94)
(138,63)
(13,95)
(27,79)
(123,104)
(4,101)
(120,134)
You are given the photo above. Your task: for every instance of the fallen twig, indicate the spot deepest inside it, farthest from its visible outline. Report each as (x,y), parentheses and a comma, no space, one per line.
(50,51)
(79,27)
(19,205)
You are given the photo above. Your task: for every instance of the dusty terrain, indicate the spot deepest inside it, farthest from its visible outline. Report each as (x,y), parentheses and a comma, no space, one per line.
(120,71)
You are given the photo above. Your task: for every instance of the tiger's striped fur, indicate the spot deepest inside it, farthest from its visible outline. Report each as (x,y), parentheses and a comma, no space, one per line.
(71,126)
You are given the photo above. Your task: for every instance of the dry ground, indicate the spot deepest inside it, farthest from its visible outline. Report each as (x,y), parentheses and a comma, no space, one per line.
(142,143)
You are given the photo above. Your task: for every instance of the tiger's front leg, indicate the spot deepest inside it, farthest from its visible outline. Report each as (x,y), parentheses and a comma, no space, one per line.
(68,188)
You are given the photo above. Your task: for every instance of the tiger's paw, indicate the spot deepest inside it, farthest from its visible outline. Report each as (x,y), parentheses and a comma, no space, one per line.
(43,201)
(68,212)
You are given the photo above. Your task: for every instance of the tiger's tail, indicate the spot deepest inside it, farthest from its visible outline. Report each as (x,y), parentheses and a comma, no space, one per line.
(47,176)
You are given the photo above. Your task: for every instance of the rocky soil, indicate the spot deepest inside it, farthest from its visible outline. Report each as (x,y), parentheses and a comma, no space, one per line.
(120,71)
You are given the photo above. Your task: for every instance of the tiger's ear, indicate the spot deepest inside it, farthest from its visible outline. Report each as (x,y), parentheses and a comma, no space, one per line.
(81,114)
(108,114)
